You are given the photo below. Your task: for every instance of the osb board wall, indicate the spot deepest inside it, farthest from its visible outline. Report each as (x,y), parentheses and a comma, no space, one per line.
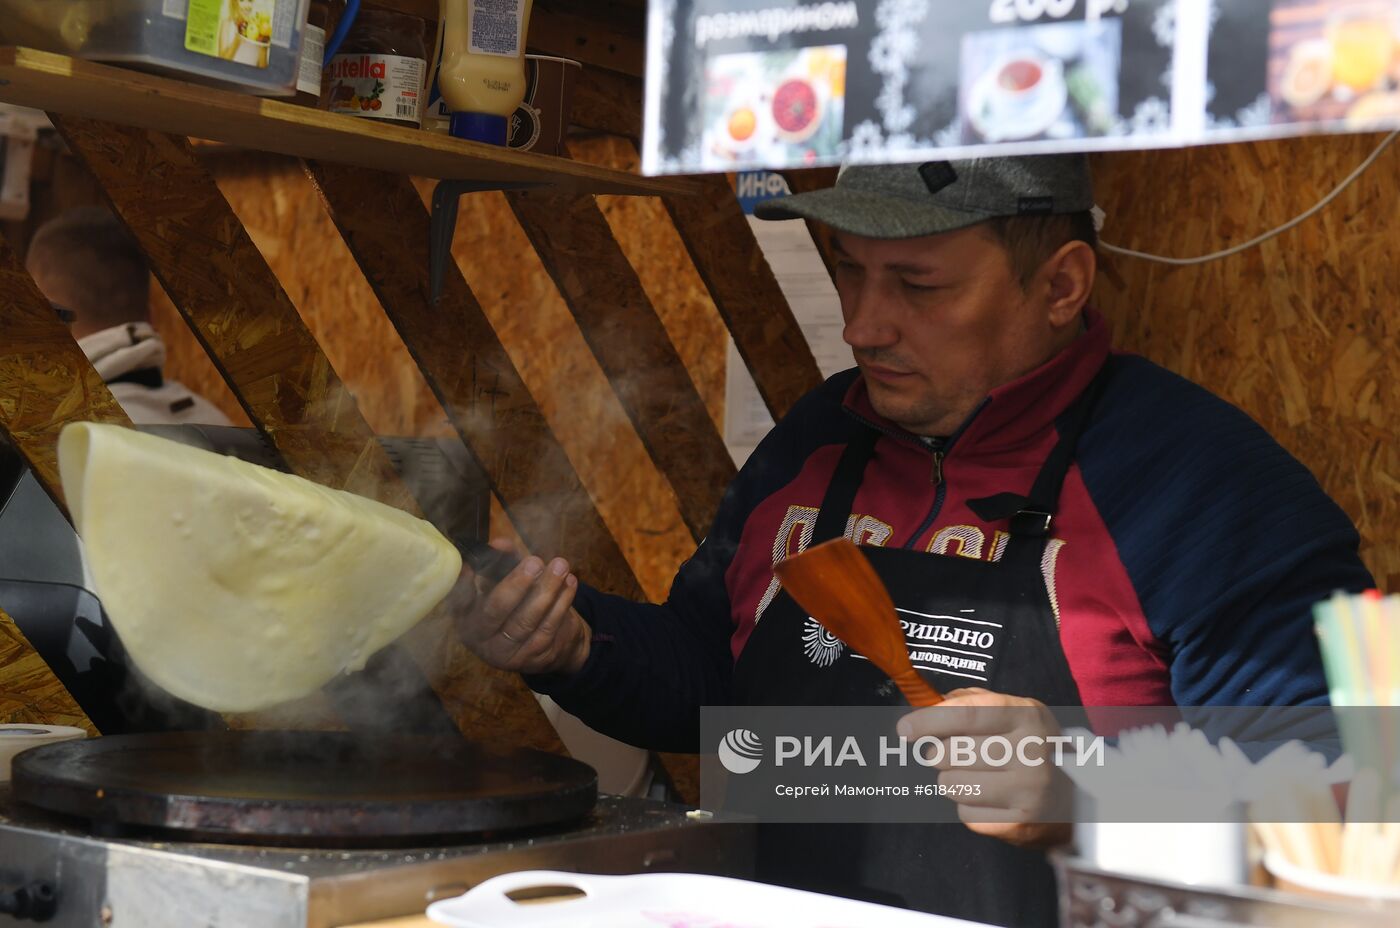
(1301,332)
(280,210)
(1296,332)
(648,238)
(545,345)
(29,692)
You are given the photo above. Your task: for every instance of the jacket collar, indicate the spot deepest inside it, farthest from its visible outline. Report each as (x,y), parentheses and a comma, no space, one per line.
(1017,412)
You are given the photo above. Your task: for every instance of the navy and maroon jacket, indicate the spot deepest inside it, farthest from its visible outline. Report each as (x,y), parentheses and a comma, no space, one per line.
(1187,551)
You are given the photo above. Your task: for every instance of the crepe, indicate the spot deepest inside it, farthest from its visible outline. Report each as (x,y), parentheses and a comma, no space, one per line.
(236,587)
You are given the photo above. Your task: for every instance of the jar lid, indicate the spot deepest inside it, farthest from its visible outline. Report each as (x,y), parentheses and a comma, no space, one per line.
(479,127)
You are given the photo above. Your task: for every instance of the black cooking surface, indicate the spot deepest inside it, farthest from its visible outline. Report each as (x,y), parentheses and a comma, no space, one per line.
(331,786)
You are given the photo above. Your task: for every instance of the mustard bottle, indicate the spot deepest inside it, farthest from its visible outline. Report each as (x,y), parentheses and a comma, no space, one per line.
(482,66)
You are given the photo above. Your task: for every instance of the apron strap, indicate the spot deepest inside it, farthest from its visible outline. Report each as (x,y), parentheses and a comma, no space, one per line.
(1034,516)
(845,482)
(1030,516)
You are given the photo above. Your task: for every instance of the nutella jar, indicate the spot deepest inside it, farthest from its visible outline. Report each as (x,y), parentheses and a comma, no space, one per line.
(379,70)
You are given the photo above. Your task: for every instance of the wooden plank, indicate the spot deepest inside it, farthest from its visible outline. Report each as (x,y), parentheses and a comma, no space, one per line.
(600,33)
(607,102)
(224,289)
(385,225)
(583,35)
(717,235)
(29,691)
(803,182)
(45,379)
(81,88)
(577,248)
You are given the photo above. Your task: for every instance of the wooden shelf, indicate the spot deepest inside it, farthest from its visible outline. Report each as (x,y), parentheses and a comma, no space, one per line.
(60,84)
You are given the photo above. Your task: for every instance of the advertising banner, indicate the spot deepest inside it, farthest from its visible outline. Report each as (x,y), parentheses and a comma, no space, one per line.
(743,84)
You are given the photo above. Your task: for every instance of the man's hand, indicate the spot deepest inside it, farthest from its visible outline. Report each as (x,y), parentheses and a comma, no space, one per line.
(1017,803)
(527,622)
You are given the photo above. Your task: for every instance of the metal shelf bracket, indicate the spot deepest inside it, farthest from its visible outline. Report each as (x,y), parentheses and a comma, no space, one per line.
(443,224)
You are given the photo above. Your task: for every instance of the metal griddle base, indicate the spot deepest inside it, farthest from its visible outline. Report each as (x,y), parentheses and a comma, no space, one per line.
(153,884)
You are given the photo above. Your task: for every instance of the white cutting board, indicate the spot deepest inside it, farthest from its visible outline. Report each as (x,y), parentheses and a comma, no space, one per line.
(666,900)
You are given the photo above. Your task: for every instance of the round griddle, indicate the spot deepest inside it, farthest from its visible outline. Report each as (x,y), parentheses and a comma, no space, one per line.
(331,788)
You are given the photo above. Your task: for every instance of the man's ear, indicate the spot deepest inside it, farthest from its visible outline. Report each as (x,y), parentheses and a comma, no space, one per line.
(1067,280)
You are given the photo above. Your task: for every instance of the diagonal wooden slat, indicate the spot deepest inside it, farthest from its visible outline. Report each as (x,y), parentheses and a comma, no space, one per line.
(45,383)
(29,691)
(804,182)
(219,281)
(385,225)
(721,244)
(206,262)
(45,379)
(576,246)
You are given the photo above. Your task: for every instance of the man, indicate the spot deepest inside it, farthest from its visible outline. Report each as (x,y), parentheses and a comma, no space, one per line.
(1114,534)
(93,272)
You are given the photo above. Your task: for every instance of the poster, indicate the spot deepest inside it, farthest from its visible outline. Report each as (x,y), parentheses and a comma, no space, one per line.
(749,84)
(803,278)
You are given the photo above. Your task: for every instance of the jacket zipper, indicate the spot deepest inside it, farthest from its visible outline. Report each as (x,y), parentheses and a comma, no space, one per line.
(939,456)
(941,494)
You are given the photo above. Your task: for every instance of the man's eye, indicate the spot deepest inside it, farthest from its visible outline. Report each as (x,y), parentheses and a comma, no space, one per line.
(920,288)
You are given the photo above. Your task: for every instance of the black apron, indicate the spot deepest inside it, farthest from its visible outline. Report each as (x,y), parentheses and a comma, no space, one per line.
(990,624)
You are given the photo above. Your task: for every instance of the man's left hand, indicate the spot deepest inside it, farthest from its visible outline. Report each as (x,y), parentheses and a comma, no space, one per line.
(1016,802)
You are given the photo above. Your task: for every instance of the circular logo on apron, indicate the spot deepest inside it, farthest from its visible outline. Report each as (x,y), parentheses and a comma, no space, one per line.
(821,646)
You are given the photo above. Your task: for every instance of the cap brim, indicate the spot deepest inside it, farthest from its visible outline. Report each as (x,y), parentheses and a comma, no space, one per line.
(869,215)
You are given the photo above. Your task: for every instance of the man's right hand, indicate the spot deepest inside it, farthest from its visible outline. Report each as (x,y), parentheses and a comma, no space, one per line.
(525,623)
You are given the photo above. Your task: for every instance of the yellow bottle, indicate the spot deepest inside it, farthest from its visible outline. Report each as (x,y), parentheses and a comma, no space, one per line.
(481,72)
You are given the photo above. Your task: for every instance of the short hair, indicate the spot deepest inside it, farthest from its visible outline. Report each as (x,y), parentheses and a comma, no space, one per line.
(100,260)
(1030,241)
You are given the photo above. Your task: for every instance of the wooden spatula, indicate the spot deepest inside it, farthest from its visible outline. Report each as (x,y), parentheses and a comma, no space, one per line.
(837,586)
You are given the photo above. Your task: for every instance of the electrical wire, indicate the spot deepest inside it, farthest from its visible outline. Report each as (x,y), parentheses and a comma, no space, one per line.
(1273,233)
(342,28)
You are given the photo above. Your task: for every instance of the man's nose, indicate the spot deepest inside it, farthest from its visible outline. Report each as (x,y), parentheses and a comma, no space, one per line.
(868,324)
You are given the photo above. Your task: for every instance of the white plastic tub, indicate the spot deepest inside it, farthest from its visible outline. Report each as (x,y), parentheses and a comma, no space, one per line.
(659,900)
(250,45)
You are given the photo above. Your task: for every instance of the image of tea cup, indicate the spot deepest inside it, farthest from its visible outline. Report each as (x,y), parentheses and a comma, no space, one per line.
(251,52)
(1019,82)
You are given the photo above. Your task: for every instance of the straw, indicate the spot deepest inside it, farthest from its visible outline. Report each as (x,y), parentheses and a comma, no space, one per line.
(1360,641)
(1360,644)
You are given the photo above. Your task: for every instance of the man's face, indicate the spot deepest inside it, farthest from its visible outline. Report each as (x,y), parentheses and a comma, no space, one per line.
(936,323)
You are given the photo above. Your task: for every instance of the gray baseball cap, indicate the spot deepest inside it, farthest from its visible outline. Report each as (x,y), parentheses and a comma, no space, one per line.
(911,200)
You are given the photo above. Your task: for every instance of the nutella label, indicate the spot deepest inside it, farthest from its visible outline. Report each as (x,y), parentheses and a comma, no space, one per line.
(376,86)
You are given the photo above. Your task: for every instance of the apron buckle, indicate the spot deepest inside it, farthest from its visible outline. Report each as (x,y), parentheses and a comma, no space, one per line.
(1032,522)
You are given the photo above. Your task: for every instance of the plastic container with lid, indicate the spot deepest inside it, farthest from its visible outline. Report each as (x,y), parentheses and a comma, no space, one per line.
(250,45)
(481,65)
(380,68)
